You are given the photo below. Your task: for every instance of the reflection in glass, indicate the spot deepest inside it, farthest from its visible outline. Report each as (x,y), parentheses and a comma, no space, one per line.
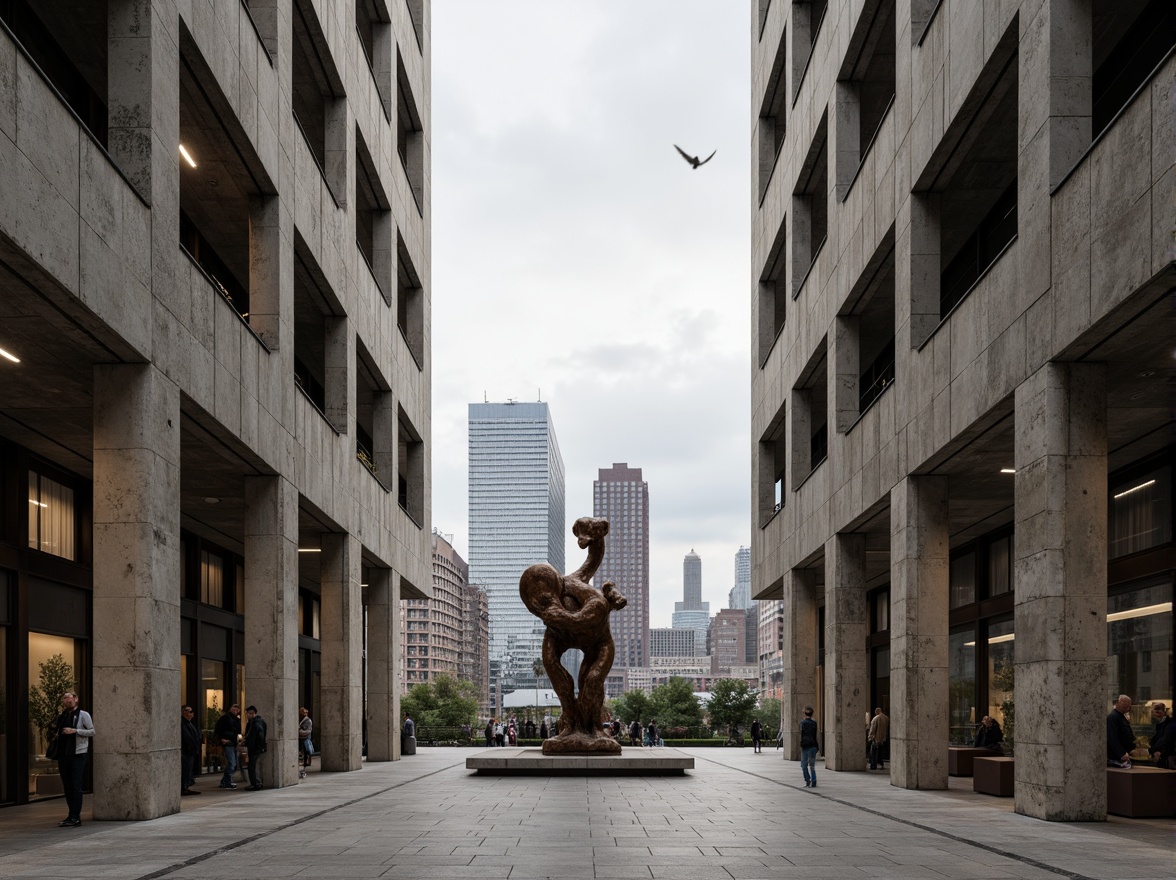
(1139,651)
(1000,579)
(963,580)
(51,517)
(1140,515)
(53,661)
(1000,677)
(961,671)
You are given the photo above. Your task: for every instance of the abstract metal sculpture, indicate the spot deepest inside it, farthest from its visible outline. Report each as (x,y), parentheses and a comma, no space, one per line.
(577,616)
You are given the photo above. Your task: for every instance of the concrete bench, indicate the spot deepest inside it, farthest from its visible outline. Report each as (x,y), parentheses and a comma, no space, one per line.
(993,776)
(960,758)
(1141,792)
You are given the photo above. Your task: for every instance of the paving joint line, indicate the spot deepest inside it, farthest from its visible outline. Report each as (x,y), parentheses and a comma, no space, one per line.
(220,850)
(933,830)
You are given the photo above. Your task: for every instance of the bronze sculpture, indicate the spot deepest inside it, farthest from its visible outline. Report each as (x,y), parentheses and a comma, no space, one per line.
(577,616)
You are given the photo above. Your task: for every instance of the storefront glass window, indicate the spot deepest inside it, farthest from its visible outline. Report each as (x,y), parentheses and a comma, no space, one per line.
(1000,676)
(212,579)
(54,662)
(7,793)
(52,528)
(963,579)
(1139,650)
(1000,572)
(1140,515)
(961,664)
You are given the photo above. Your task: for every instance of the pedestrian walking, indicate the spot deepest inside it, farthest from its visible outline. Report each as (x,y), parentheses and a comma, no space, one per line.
(227,734)
(190,741)
(756,731)
(808,748)
(255,744)
(305,732)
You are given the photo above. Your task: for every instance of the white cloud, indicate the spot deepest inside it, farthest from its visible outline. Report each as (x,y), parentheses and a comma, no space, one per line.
(575,252)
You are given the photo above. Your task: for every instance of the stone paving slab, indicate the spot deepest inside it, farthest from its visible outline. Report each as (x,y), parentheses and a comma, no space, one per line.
(738,815)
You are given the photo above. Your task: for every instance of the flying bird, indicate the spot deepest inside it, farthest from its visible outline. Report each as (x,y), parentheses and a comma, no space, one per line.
(694,160)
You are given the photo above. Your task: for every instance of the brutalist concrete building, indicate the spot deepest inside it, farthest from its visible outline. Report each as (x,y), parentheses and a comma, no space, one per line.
(214,402)
(963,325)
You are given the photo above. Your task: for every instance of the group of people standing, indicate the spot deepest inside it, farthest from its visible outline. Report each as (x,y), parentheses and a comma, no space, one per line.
(1121,737)
(229,737)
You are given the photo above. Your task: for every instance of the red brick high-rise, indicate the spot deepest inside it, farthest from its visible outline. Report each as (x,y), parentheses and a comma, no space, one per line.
(622,497)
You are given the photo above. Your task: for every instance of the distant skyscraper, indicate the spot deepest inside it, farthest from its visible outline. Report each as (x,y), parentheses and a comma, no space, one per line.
(692,612)
(622,497)
(741,593)
(669,642)
(516,511)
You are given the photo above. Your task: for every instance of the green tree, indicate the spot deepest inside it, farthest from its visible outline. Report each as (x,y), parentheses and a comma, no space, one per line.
(768,714)
(632,706)
(45,699)
(674,704)
(731,702)
(443,702)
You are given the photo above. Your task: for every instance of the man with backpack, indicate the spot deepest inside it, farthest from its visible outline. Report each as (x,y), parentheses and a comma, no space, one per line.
(255,744)
(808,748)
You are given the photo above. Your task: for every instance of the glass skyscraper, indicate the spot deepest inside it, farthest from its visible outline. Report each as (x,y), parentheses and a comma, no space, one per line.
(741,593)
(692,612)
(517,518)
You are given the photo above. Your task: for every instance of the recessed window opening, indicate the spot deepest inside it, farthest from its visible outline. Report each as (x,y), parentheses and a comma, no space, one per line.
(410,304)
(1129,39)
(219,194)
(374,416)
(773,298)
(316,312)
(409,135)
(317,97)
(372,26)
(810,209)
(1140,512)
(764,6)
(806,25)
(810,417)
(772,124)
(867,87)
(410,467)
(964,203)
(61,40)
(876,339)
(373,223)
(416,14)
(771,468)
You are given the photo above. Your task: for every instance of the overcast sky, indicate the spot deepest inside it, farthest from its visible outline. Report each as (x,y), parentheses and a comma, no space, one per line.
(579,260)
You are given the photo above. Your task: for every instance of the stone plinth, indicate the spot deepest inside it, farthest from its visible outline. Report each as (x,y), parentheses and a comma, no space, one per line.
(532,762)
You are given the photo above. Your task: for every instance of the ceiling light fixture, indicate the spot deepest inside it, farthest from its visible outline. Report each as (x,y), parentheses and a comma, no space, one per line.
(11,357)
(1134,489)
(1008,470)
(184,152)
(211,500)
(1146,611)
(310,550)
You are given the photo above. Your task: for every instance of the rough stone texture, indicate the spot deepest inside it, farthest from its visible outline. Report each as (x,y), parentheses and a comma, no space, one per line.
(383,691)
(340,719)
(847,685)
(1060,582)
(136,590)
(918,633)
(271,623)
(800,656)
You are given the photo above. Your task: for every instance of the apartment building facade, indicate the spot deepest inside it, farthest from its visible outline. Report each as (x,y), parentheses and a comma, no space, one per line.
(962,378)
(214,295)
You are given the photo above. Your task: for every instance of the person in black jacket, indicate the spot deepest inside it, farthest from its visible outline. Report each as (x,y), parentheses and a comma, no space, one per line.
(989,735)
(255,743)
(1120,736)
(756,731)
(225,734)
(190,740)
(1163,741)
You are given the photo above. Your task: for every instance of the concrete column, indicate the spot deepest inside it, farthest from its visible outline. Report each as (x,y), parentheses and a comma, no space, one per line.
(1061,588)
(847,148)
(136,592)
(341,718)
(340,376)
(800,427)
(845,372)
(919,574)
(271,618)
(800,655)
(847,685)
(383,604)
(266,259)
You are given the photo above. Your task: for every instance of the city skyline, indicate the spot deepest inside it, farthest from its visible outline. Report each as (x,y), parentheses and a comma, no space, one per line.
(614,318)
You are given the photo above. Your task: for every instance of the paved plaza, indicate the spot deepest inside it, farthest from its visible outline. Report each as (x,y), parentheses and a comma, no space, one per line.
(738,815)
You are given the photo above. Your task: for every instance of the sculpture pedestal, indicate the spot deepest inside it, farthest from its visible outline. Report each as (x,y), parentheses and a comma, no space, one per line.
(631,761)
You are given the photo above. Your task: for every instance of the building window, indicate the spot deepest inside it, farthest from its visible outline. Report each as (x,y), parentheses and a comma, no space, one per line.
(373,219)
(810,209)
(410,304)
(317,99)
(807,16)
(865,89)
(810,418)
(773,298)
(410,491)
(1140,515)
(320,342)
(963,579)
(1128,43)
(52,517)
(1139,649)
(772,125)
(961,675)
(864,342)
(409,135)
(371,24)
(212,579)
